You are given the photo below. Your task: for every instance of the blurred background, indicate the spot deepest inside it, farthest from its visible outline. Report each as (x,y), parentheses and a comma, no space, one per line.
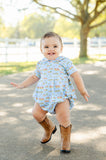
(82,26)
(80,23)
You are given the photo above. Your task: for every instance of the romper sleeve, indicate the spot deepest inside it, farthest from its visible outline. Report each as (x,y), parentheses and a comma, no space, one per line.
(70,67)
(37,70)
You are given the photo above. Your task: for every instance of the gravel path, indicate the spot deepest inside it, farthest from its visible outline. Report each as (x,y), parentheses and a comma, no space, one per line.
(20,133)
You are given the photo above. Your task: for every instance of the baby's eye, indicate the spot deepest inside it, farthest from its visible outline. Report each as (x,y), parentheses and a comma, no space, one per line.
(55,46)
(46,47)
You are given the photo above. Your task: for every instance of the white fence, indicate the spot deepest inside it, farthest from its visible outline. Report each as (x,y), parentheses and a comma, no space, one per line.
(21,50)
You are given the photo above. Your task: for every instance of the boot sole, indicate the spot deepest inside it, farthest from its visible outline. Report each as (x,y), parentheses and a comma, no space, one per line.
(65,151)
(53,132)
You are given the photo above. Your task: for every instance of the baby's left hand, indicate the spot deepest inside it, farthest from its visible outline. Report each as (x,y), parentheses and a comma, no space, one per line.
(85,95)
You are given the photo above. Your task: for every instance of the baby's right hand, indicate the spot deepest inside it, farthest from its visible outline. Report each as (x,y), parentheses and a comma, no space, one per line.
(85,95)
(17,85)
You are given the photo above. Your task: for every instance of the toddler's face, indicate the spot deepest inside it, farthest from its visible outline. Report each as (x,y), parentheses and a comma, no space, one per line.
(51,48)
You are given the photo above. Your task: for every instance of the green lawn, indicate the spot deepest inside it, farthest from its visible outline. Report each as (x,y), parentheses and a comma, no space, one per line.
(16,67)
(89,60)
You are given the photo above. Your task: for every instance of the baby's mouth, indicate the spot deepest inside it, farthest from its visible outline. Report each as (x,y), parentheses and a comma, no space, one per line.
(50,54)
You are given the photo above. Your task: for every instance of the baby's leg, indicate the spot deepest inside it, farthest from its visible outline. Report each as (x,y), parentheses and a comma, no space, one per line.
(63,117)
(63,113)
(38,113)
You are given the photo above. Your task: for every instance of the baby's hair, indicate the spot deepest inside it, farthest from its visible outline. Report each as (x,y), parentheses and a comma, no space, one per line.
(51,34)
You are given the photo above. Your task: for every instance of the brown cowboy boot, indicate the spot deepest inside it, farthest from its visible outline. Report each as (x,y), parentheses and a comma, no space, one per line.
(49,128)
(65,138)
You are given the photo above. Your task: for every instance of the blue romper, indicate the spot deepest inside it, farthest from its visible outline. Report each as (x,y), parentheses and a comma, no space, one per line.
(54,85)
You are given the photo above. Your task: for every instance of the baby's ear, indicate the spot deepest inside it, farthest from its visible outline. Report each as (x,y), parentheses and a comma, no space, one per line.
(61,48)
(41,49)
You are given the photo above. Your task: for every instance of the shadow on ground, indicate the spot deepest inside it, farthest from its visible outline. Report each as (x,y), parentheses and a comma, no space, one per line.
(20,133)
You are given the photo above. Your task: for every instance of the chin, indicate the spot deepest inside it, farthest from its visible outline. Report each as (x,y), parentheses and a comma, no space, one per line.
(52,57)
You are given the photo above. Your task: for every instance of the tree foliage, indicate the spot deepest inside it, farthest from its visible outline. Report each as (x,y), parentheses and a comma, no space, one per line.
(85,11)
(34,25)
(65,28)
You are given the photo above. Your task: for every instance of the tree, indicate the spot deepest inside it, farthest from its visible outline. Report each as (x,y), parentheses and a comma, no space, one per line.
(85,12)
(65,28)
(34,25)
(98,32)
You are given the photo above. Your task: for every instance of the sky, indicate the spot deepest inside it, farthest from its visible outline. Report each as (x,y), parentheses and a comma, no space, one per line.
(11,14)
(13,11)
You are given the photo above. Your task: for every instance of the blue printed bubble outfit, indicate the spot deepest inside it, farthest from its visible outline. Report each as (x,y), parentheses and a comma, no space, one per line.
(54,85)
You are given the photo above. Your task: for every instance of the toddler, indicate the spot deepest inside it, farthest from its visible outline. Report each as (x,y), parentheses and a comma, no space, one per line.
(54,92)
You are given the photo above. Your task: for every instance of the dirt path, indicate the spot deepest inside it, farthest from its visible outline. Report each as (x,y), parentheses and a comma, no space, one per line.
(20,133)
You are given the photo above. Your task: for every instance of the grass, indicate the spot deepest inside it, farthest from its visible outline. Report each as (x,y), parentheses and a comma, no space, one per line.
(16,67)
(89,60)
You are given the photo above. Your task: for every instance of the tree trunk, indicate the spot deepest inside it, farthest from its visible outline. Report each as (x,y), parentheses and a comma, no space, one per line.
(83,41)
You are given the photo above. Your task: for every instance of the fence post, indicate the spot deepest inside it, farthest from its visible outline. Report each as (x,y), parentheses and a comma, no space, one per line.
(75,45)
(6,53)
(26,45)
(99,45)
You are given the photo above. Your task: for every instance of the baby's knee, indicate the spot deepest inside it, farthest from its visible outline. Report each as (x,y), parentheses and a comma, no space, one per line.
(34,114)
(63,119)
(38,115)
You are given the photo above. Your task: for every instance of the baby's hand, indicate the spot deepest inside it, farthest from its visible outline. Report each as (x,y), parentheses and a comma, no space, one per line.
(85,95)
(17,85)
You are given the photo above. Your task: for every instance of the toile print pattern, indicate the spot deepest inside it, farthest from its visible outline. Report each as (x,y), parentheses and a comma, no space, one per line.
(54,85)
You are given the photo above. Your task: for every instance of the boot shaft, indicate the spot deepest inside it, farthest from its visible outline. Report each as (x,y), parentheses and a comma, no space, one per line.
(49,128)
(65,138)
(47,124)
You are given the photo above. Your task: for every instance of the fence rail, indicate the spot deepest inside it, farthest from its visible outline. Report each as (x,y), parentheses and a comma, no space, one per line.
(21,50)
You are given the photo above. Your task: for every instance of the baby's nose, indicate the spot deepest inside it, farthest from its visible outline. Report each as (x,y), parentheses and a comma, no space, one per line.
(51,48)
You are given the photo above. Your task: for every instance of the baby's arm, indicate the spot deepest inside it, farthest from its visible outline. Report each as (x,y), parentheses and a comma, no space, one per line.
(29,81)
(80,85)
